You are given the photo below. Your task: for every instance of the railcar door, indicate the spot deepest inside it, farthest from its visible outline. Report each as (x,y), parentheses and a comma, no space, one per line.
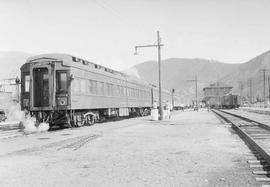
(41,87)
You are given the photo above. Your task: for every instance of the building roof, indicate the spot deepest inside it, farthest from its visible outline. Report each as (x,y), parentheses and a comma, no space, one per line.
(218,85)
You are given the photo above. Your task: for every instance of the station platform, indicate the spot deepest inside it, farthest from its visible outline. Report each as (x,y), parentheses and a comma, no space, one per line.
(192,148)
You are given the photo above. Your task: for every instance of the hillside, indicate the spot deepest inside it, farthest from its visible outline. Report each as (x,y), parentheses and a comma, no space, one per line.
(11,62)
(177,71)
(250,70)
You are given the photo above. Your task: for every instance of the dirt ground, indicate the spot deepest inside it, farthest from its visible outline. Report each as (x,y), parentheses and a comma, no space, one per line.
(191,149)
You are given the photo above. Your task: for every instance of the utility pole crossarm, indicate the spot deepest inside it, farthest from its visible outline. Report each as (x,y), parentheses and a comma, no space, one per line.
(140,46)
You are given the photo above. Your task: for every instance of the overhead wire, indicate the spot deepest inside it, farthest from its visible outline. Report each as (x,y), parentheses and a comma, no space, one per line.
(105,6)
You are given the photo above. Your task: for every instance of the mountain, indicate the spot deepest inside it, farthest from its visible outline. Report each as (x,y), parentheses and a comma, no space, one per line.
(176,73)
(250,76)
(10,63)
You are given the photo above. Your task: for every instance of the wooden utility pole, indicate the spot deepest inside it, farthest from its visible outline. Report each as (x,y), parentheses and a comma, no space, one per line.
(158,45)
(263,71)
(269,87)
(196,89)
(241,87)
(196,86)
(250,90)
(173,90)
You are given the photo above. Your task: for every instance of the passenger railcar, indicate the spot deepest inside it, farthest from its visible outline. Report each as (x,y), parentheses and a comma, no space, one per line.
(63,89)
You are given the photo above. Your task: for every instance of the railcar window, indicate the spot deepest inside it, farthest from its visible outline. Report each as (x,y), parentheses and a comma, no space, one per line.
(122,90)
(90,87)
(118,92)
(83,86)
(128,92)
(125,91)
(76,86)
(111,89)
(94,87)
(100,88)
(107,89)
(61,82)
(115,92)
(133,92)
(26,83)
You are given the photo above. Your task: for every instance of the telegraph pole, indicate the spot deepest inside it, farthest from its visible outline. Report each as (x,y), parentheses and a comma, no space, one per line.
(159,77)
(241,86)
(269,87)
(196,89)
(263,71)
(250,89)
(158,45)
(196,86)
(173,90)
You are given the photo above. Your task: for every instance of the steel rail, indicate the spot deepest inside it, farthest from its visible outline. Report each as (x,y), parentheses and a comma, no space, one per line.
(245,136)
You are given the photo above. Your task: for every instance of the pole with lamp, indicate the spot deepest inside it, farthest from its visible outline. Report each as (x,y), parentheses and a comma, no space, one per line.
(158,46)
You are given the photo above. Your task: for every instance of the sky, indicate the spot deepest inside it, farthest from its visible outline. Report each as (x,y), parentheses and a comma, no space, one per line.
(106,31)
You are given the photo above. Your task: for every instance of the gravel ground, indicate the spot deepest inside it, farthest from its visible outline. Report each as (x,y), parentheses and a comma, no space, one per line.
(191,149)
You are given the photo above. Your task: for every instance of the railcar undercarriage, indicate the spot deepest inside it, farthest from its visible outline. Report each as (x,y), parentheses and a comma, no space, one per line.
(78,118)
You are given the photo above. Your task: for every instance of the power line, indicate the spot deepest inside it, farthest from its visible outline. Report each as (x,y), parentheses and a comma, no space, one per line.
(116,14)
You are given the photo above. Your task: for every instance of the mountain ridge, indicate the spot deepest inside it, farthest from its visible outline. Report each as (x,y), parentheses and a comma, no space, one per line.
(209,71)
(176,73)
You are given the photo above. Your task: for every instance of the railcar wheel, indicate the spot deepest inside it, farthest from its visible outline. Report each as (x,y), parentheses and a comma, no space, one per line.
(79,121)
(90,120)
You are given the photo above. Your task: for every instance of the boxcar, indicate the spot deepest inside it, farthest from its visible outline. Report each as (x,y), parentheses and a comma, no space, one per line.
(230,101)
(63,89)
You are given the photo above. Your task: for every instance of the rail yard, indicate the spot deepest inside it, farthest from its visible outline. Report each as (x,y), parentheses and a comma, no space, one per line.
(80,123)
(134,93)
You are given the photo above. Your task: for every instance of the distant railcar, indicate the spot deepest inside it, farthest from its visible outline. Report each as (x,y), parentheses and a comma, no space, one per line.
(230,101)
(63,89)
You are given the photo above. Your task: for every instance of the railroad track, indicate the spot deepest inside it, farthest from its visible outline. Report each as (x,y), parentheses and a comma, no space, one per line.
(257,137)
(10,132)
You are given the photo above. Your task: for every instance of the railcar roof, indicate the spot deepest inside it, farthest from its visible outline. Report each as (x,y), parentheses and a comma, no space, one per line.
(72,61)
